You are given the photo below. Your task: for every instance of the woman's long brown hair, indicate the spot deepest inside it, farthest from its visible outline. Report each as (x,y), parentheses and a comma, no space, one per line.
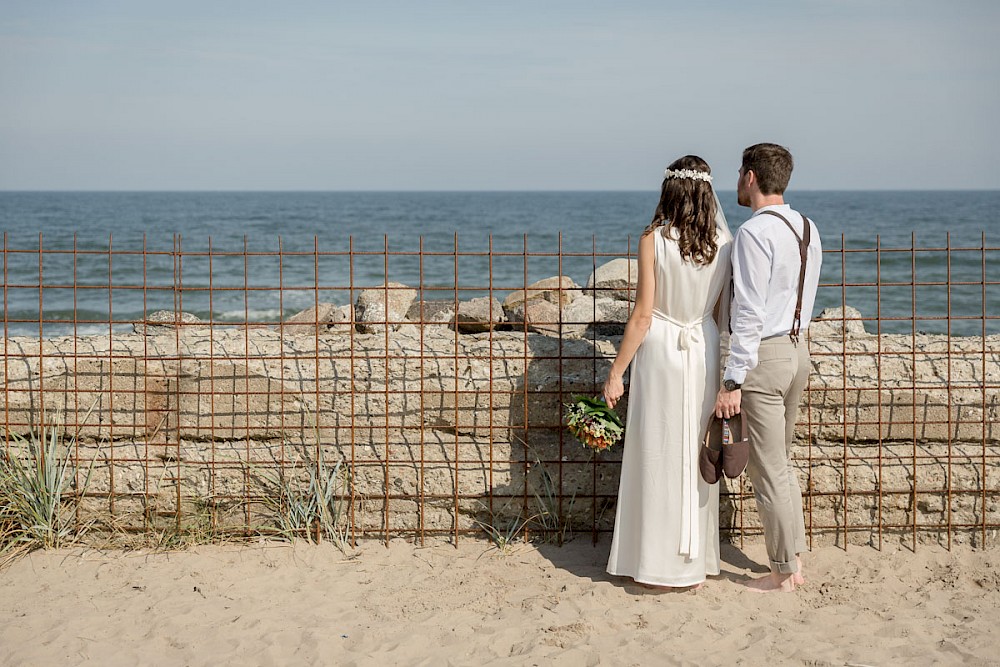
(688,205)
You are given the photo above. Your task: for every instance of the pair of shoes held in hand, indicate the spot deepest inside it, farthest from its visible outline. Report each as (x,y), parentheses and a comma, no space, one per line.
(726,450)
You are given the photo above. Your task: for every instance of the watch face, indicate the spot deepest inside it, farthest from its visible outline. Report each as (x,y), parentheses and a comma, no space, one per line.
(730,385)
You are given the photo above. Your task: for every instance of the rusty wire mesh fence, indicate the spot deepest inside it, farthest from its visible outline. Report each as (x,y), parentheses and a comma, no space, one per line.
(420,390)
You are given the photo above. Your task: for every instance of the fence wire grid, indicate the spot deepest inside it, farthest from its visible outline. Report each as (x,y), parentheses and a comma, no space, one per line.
(425,386)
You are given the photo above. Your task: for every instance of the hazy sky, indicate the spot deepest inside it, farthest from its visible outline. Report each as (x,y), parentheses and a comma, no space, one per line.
(462,95)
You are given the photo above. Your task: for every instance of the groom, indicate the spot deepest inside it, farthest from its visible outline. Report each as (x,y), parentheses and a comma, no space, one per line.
(776,261)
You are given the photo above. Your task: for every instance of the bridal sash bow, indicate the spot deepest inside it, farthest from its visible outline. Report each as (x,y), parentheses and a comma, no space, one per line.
(689,333)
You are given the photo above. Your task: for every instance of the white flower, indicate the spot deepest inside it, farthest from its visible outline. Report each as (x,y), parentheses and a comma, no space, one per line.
(688,173)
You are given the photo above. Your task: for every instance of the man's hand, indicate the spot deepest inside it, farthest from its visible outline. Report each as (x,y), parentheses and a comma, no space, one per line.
(613,389)
(727,403)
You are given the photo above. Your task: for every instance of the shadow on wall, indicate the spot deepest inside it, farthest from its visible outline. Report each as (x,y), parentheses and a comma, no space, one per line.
(444,430)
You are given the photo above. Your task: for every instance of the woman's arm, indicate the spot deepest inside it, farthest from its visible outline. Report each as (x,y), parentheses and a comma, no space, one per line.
(638,322)
(722,306)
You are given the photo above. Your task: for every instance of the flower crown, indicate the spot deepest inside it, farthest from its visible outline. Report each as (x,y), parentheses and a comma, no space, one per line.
(688,173)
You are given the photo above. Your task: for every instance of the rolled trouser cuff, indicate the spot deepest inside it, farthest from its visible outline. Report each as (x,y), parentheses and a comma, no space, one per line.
(785,568)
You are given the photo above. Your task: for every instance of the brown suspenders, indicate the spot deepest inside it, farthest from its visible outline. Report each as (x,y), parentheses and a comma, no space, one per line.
(803,254)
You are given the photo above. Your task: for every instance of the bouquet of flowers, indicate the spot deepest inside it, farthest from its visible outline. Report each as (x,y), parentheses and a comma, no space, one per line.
(593,423)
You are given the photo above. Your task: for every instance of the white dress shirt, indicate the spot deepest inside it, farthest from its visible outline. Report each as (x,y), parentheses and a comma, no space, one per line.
(766,263)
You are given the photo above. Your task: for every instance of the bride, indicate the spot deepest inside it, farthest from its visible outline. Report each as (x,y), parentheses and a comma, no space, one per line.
(667,518)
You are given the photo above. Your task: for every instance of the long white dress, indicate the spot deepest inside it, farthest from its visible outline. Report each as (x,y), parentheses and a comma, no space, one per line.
(667,518)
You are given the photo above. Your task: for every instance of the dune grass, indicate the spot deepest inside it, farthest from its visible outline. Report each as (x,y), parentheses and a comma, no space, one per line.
(315,510)
(504,530)
(38,491)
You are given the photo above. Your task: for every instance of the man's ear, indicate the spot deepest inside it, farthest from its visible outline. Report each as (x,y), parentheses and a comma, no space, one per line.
(751,177)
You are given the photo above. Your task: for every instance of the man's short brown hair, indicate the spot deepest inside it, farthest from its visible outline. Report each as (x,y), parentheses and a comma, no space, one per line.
(772,164)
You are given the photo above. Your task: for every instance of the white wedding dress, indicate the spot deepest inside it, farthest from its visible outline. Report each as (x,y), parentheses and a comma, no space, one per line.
(667,518)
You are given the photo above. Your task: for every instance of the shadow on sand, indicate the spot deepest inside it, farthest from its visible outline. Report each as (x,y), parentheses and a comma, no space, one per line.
(586,560)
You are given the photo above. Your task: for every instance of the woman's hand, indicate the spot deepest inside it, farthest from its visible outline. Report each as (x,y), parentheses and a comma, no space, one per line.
(613,389)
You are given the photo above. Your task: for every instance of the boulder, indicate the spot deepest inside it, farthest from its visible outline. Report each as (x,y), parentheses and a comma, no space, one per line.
(613,316)
(617,279)
(343,317)
(560,290)
(164,321)
(838,323)
(436,311)
(325,316)
(539,315)
(378,306)
(479,315)
(580,315)
(320,314)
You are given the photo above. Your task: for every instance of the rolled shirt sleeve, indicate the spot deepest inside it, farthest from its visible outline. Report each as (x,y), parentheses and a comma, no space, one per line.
(751,275)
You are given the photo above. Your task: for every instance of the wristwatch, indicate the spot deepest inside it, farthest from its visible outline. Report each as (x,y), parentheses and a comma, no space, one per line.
(731,385)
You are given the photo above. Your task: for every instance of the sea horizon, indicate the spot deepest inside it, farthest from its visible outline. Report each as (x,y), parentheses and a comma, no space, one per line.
(461,240)
(789,192)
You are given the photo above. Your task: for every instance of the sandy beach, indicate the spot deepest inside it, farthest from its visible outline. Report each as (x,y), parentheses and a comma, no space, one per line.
(277,604)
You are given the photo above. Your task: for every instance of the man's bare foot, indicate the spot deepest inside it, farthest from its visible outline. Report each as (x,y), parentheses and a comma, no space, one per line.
(798,577)
(772,583)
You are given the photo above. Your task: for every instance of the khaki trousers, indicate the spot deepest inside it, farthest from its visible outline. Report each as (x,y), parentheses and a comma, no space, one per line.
(770,405)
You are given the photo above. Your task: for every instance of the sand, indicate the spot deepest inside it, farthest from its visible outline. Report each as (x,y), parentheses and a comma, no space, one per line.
(278,604)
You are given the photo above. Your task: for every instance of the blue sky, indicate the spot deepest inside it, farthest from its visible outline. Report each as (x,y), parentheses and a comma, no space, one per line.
(501,96)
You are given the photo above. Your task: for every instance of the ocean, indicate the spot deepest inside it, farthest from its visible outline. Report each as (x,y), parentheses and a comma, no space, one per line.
(216,254)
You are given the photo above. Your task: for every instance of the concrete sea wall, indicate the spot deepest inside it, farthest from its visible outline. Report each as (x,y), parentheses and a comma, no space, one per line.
(447,416)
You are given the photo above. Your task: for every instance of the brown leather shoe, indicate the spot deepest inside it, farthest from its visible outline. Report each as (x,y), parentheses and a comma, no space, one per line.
(710,456)
(735,448)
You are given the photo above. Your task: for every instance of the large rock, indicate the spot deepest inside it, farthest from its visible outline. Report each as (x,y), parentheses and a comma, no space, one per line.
(838,323)
(580,315)
(560,290)
(617,279)
(378,306)
(164,321)
(538,315)
(479,315)
(613,316)
(434,311)
(323,317)
(589,315)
